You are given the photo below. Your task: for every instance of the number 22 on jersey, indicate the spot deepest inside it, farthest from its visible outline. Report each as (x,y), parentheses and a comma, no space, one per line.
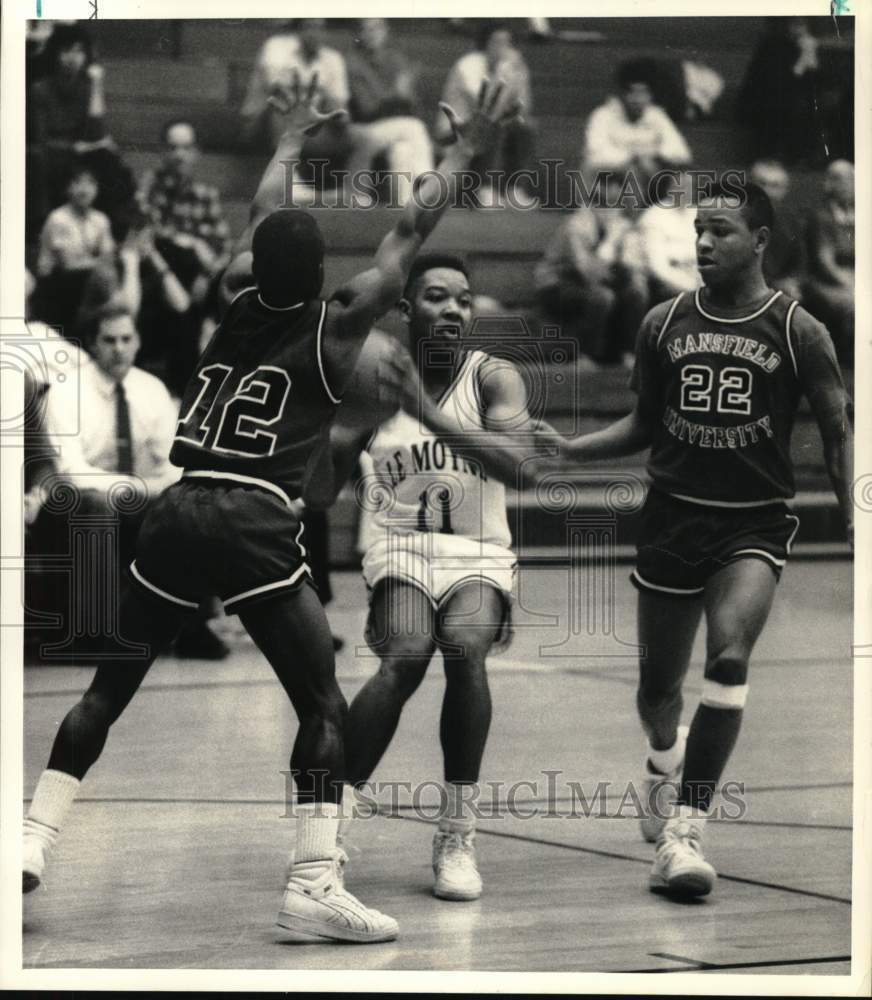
(734,386)
(236,424)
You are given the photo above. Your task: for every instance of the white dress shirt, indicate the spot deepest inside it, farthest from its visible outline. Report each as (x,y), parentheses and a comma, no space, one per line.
(81,423)
(612,141)
(70,239)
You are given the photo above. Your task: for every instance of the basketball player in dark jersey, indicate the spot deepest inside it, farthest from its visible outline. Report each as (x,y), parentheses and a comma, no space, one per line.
(253,419)
(719,375)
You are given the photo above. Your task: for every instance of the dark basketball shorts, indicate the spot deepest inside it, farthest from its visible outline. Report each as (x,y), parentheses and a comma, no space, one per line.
(208,537)
(681,544)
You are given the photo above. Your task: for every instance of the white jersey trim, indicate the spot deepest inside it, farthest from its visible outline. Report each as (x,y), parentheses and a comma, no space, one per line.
(161,593)
(682,591)
(759,552)
(792,517)
(278,309)
(241,292)
(787,327)
(455,382)
(729,503)
(740,319)
(267,587)
(237,477)
(330,394)
(669,316)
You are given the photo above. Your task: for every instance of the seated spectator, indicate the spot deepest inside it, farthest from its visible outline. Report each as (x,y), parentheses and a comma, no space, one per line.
(664,245)
(495,57)
(829,291)
(113,427)
(74,238)
(65,120)
(583,280)
(784,261)
(384,109)
(629,132)
(184,245)
(299,48)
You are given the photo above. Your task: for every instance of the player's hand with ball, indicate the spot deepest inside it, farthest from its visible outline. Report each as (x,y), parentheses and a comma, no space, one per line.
(297,105)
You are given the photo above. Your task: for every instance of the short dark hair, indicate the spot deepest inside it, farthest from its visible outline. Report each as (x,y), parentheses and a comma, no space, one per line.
(79,166)
(756,205)
(288,257)
(65,36)
(632,71)
(427,261)
(165,128)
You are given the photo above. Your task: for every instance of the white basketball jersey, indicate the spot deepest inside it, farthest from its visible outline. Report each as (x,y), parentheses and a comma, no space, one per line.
(416,483)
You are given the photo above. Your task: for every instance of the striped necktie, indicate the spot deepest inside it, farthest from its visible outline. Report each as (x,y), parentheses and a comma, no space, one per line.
(123,437)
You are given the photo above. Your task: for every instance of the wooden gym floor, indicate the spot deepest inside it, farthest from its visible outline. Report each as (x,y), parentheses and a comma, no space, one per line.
(173,855)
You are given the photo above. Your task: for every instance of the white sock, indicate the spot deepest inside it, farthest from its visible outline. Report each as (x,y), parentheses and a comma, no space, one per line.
(666,761)
(55,792)
(317,826)
(347,811)
(457,814)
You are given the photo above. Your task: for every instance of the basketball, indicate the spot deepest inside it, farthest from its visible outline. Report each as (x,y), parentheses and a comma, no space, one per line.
(370,397)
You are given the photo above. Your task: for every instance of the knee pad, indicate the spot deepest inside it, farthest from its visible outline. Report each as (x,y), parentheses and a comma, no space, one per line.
(717,695)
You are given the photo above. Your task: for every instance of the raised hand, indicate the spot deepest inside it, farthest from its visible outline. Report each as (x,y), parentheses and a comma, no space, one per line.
(296,105)
(494,109)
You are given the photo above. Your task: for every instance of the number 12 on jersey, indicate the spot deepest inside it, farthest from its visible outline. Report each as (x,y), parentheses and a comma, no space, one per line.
(238,425)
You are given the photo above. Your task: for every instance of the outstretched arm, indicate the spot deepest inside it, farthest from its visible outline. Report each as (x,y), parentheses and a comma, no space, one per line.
(510,445)
(630,434)
(302,119)
(371,294)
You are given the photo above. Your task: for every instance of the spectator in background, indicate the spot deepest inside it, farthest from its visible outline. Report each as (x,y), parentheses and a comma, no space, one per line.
(664,244)
(185,243)
(629,132)
(584,281)
(299,48)
(830,286)
(777,99)
(124,422)
(495,57)
(74,238)
(384,109)
(65,120)
(784,261)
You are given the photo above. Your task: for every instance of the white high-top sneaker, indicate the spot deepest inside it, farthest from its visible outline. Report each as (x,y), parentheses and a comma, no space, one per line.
(679,866)
(36,848)
(659,792)
(454,866)
(316,907)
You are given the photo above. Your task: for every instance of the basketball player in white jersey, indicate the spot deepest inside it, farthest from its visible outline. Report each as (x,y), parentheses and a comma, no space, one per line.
(437,563)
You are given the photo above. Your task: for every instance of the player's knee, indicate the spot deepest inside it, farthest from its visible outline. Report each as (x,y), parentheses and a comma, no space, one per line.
(404,672)
(728,667)
(330,707)
(101,706)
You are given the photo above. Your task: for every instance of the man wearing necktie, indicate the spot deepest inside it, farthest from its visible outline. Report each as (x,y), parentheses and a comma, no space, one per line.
(112,429)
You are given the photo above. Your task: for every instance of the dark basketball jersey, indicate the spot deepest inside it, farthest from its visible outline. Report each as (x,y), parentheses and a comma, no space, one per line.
(721,392)
(258,406)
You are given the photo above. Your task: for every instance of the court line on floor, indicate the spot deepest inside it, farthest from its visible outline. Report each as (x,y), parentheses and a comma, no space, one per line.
(694,965)
(598,852)
(645,861)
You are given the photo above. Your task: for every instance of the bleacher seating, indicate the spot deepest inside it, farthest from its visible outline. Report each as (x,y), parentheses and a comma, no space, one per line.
(156,70)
